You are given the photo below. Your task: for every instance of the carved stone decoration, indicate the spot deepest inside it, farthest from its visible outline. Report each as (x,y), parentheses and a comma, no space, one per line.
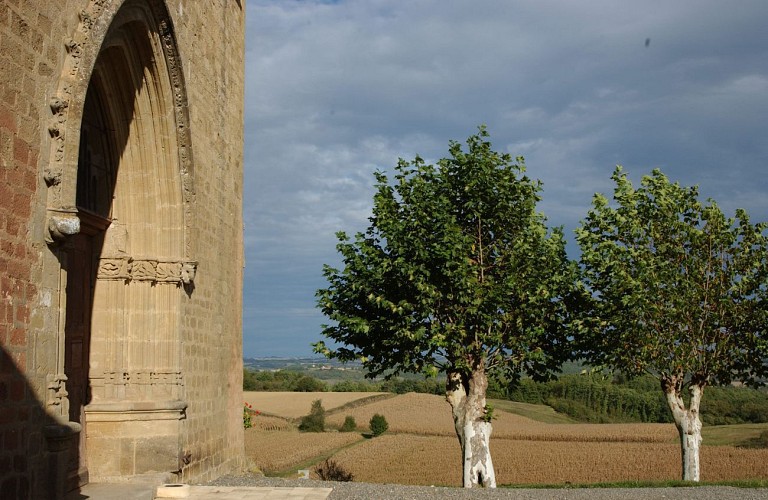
(114,269)
(188,271)
(57,400)
(155,270)
(144,270)
(60,226)
(145,384)
(169,272)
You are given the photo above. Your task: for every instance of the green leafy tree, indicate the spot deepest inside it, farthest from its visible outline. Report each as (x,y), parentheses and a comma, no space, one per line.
(315,421)
(678,292)
(349,424)
(457,273)
(378,424)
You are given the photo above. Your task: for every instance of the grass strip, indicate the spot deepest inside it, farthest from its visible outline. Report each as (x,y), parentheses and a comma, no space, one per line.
(307,464)
(754,483)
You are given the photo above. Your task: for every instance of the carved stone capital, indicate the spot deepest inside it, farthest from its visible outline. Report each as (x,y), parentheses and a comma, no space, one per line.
(61,225)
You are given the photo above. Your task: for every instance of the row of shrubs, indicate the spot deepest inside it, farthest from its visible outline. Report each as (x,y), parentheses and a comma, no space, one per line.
(315,421)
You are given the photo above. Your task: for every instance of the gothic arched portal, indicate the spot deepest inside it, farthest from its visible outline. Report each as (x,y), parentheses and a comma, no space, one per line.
(126,267)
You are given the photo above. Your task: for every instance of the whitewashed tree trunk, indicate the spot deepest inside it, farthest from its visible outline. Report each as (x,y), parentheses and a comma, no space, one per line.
(466,395)
(688,426)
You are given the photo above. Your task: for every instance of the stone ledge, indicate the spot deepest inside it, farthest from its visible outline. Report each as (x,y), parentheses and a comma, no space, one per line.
(172,491)
(116,411)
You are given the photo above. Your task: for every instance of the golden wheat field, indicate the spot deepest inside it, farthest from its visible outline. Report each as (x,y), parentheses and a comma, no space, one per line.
(436,460)
(430,415)
(421,446)
(276,451)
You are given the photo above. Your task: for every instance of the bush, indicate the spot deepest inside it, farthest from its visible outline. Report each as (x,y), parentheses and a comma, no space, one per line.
(309,384)
(349,424)
(315,421)
(378,425)
(332,471)
(763,439)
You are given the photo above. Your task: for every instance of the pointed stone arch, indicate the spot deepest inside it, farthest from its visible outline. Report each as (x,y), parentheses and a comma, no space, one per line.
(120,205)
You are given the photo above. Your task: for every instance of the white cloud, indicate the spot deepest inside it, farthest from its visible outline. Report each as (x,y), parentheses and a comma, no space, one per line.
(337,90)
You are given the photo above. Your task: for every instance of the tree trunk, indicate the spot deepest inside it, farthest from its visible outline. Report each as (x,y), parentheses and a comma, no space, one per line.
(688,424)
(466,395)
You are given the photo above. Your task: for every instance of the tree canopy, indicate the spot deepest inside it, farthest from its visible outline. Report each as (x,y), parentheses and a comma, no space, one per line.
(458,273)
(678,288)
(456,266)
(678,291)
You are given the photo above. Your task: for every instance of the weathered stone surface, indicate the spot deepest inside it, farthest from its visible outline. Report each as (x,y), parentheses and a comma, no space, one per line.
(161,329)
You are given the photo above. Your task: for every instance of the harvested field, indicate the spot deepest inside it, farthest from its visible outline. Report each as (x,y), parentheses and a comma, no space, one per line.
(277,451)
(430,415)
(268,423)
(297,404)
(421,448)
(436,460)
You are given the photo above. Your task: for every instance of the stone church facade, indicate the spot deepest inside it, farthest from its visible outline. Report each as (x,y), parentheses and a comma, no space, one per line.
(121,132)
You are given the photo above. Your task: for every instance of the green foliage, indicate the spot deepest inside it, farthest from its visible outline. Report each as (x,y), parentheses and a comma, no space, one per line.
(678,290)
(594,399)
(731,405)
(309,384)
(249,380)
(356,386)
(315,421)
(281,381)
(763,439)
(601,400)
(488,415)
(330,470)
(399,385)
(349,424)
(247,415)
(456,270)
(378,424)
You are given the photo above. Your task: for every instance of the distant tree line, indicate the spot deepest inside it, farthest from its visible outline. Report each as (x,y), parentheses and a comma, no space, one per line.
(596,399)
(586,398)
(293,381)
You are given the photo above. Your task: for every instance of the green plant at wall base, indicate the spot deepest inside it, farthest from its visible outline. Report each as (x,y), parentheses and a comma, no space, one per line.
(247,412)
(378,425)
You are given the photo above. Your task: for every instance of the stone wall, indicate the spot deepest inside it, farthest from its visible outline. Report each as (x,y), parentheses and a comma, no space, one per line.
(192,404)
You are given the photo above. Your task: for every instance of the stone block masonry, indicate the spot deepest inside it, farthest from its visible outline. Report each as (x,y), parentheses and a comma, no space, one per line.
(121,132)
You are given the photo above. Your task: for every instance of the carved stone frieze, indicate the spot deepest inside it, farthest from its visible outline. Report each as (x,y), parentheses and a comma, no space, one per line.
(141,384)
(114,269)
(144,270)
(154,270)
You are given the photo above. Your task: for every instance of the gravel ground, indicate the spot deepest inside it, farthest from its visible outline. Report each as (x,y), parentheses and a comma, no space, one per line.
(366,491)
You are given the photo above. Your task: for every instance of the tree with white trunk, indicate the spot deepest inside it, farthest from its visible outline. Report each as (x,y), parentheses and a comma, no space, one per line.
(678,291)
(457,273)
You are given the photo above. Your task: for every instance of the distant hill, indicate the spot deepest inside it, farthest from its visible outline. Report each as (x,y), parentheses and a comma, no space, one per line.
(300,364)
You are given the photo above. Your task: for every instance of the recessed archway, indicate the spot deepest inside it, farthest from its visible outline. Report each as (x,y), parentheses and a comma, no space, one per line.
(125,204)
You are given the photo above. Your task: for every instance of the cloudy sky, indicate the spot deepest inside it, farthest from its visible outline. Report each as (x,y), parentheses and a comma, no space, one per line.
(338,89)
